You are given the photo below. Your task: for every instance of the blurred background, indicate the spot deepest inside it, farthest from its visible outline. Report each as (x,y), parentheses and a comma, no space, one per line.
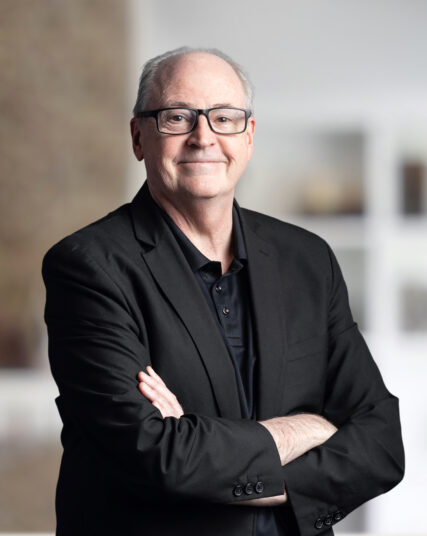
(340,148)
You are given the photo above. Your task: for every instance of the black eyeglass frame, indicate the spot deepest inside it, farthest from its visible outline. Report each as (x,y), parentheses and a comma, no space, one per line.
(199,111)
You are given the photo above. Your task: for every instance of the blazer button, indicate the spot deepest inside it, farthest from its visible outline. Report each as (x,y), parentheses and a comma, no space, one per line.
(259,487)
(249,488)
(319,523)
(338,516)
(329,520)
(238,490)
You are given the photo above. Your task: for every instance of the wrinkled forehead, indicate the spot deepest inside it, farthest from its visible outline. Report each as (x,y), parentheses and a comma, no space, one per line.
(197,79)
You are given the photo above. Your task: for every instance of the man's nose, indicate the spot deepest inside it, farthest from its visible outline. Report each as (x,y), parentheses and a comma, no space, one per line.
(202,135)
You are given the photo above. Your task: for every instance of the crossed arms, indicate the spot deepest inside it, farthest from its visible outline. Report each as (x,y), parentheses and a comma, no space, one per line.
(294,435)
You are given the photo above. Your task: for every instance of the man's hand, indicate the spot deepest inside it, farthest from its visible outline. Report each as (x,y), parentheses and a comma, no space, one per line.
(264,501)
(154,389)
(297,434)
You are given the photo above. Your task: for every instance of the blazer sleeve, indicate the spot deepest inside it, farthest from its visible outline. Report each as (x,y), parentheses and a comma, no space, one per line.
(96,352)
(365,457)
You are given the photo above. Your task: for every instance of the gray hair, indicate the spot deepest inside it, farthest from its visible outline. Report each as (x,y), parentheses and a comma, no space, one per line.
(151,67)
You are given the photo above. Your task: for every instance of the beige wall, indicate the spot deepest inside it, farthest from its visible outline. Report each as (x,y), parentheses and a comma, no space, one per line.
(63,130)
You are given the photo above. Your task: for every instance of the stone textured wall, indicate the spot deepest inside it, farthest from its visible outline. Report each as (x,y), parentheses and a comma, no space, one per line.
(63,160)
(64,137)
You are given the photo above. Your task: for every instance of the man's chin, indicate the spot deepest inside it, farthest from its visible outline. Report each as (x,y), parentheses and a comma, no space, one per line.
(207,189)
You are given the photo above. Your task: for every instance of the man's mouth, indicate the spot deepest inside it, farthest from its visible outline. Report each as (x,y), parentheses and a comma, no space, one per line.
(202,161)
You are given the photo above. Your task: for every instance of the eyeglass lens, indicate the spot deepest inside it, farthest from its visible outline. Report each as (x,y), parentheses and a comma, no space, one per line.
(182,120)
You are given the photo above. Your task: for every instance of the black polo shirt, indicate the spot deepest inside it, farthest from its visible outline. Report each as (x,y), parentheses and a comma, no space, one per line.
(228,297)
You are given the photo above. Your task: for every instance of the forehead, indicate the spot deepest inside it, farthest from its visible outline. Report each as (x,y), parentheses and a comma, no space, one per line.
(200,80)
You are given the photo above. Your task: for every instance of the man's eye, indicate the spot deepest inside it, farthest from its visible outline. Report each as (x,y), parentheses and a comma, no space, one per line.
(223,119)
(176,118)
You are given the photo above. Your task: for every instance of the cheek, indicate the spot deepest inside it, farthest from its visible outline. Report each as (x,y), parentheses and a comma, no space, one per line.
(240,156)
(230,150)
(159,156)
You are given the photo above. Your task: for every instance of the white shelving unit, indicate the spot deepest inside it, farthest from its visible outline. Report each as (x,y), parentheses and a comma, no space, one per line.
(392,249)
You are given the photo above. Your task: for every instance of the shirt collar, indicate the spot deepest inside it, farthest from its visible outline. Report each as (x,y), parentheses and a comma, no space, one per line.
(195,258)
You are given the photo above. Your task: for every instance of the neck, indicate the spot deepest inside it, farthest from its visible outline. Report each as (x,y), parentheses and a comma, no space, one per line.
(207,223)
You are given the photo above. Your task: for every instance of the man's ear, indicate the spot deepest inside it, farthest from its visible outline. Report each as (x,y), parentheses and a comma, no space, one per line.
(250,131)
(135,132)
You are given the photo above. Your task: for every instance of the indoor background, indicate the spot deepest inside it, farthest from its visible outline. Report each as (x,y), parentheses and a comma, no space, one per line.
(340,148)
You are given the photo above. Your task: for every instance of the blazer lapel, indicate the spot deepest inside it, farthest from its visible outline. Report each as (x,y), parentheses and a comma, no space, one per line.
(170,269)
(269,320)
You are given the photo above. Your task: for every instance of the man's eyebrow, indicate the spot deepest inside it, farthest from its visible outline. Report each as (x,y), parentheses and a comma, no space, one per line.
(189,105)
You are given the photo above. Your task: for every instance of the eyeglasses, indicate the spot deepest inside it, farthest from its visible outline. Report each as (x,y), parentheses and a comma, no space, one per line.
(176,120)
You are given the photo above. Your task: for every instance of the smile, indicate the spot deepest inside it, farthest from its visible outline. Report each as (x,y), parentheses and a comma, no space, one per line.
(202,162)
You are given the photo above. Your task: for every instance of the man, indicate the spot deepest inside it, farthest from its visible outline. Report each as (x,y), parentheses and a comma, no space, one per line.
(212,380)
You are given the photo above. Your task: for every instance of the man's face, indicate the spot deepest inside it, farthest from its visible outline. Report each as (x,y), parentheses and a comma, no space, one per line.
(200,164)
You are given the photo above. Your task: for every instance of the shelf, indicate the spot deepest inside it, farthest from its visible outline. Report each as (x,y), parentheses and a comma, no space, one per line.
(340,231)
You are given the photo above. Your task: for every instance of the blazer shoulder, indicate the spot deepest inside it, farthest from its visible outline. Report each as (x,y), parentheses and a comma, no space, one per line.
(114,231)
(283,234)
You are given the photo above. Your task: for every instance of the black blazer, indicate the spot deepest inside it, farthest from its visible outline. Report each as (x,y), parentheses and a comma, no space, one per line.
(120,295)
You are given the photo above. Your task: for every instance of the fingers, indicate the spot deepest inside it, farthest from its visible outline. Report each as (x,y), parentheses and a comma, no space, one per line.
(154,374)
(165,406)
(154,389)
(157,385)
